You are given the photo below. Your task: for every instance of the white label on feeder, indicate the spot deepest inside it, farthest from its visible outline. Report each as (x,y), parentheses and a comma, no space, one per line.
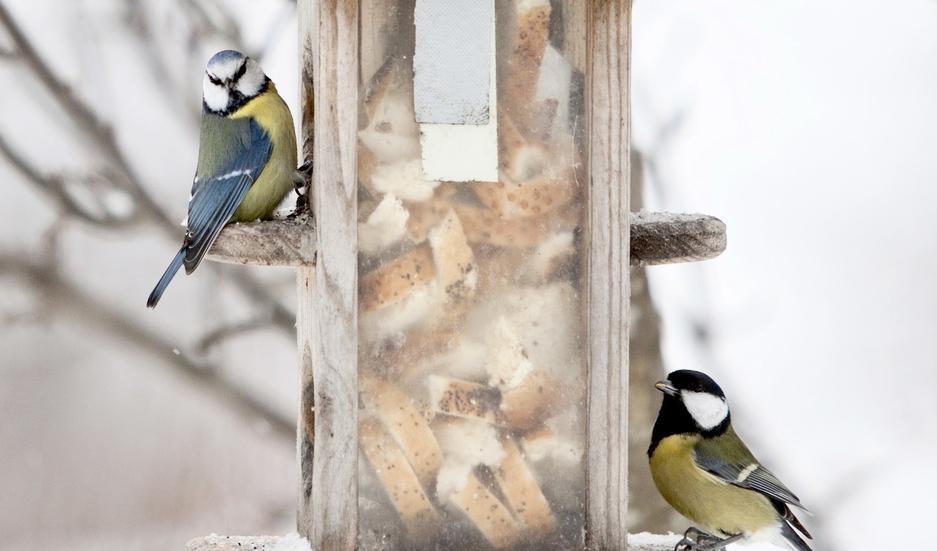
(455,94)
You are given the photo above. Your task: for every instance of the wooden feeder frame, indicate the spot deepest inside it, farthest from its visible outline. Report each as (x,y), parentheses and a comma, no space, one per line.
(324,251)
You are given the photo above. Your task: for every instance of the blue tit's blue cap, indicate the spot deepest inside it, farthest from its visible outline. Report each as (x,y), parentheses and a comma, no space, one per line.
(225,56)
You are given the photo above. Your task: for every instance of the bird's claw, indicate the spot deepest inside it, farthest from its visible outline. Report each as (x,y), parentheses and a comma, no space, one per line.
(695,539)
(302,184)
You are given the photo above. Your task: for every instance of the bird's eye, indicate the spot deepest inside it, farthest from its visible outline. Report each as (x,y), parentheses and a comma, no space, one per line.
(240,72)
(213,80)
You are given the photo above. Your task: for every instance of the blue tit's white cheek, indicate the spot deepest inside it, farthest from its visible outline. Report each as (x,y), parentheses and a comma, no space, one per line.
(215,96)
(708,410)
(252,81)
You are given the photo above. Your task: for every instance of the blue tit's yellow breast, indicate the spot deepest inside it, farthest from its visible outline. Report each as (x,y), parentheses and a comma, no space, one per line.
(705,499)
(276,180)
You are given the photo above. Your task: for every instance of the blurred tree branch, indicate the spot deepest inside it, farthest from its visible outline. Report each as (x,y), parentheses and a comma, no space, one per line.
(42,273)
(55,188)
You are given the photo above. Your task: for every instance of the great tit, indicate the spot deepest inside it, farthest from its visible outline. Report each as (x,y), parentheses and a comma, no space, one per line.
(705,471)
(246,157)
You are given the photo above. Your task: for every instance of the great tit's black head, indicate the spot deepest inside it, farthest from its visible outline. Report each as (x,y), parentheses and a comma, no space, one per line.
(231,80)
(693,404)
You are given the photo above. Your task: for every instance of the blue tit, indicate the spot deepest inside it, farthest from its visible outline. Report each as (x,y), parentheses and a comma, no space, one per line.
(705,471)
(246,158)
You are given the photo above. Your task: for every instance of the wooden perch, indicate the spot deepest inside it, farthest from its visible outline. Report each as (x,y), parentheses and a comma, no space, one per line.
(271,243)
(667,238)
(656,238)
(233,543)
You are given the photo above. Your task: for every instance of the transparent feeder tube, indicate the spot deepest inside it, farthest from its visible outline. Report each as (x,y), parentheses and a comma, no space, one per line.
(471,367)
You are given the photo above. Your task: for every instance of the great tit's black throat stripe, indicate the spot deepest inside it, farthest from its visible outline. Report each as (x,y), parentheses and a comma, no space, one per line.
(675,419)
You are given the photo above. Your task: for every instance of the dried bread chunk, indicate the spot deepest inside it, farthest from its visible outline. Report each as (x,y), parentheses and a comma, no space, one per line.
(455,262)
(486,226)
(533,197)
(404,421)
(391,133)
(491,517)
(522,493)
(528,395)
(398,479)
(531,402)
(464,399)
(404,179)
(386,225)
(394,281)
(467,445)
(530,38)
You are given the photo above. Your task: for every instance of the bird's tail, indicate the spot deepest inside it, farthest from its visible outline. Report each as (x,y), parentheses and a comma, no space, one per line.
(167,277)
(793,538)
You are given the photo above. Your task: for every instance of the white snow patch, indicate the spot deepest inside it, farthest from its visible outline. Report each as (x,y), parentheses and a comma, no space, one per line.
(292,542)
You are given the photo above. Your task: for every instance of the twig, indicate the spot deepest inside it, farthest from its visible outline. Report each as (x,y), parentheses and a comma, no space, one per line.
(232,330)
(94,310)
(54,188)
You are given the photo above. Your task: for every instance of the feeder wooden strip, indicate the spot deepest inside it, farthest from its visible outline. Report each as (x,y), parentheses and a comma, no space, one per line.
(656,238)
(327,329)
(607,292)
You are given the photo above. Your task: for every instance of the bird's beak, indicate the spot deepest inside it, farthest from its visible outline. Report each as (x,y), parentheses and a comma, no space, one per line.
(666,388)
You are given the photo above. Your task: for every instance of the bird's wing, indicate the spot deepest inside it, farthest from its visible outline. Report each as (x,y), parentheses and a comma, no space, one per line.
(727,457)
(232,154)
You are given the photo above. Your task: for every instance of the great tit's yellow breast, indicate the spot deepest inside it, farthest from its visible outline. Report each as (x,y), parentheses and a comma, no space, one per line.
(703,498)
(276,179)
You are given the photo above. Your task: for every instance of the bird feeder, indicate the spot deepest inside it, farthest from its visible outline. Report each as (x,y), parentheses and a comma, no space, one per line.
(464,280)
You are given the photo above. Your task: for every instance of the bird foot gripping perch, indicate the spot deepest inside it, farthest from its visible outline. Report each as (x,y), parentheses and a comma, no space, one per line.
(302,184)
(695,539)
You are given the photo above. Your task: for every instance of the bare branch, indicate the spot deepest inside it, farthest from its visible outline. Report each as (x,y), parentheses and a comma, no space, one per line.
(54,188)
(94,310)
(232,330)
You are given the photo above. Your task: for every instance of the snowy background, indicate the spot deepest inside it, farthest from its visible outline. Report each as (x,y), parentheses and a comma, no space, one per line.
(808,127)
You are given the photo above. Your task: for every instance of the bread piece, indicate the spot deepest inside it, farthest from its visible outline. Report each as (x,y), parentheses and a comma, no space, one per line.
(427,214)
(463,399)
(523,65)
(404,179)
(394,281)
(487,513)
(532,401)
(456,271)
(547,259)
(398,479)
(391,133)
(406,424)
(522,493)
(534,197)
(385,226)
(482,225)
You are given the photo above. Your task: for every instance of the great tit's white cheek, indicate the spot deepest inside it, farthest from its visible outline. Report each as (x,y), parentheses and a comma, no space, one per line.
(708,410)
(215,96)
(252,81)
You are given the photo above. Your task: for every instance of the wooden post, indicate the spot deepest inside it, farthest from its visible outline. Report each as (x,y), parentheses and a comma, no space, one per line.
(608,130)
(328,316)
